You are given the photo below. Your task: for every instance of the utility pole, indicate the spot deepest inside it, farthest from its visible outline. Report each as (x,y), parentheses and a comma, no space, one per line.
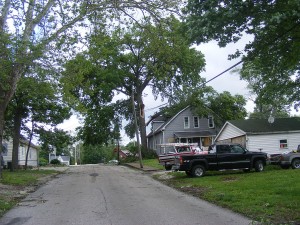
(136,129)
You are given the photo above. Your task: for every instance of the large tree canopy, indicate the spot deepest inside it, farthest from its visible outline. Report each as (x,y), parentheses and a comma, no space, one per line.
(158,56)
(274,27)
(30,30)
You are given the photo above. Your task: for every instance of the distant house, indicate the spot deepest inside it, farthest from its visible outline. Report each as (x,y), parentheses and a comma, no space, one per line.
(32,154)
(123,154)
(184,127)
(64,159)
(282,135)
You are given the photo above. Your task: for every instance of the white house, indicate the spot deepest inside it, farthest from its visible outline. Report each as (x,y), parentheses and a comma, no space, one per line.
(32,154)
(283,135)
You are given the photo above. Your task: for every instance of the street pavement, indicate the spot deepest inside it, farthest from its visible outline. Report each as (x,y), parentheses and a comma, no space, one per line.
(114,195)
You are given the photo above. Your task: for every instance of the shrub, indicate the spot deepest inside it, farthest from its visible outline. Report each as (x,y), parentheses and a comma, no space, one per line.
(43,162)
(55,162)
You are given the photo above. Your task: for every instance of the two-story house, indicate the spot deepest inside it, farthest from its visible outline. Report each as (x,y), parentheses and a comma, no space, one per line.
(184,127)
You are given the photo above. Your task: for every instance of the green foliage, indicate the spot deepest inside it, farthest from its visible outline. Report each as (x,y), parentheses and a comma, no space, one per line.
(121,62)
(265,111)
(224,106)
(55,162)
(57,139)
(273,53)
(97,153)
(43,162)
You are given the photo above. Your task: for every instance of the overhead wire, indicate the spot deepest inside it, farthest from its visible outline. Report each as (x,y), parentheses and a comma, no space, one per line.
(231,67)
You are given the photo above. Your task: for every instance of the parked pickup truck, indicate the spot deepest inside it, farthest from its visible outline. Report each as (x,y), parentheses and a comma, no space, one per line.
(291,159)
(221,157)
(174,150)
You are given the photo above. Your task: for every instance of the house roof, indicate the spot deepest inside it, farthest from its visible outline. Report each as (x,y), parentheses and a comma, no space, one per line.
(263,126)
(166,123)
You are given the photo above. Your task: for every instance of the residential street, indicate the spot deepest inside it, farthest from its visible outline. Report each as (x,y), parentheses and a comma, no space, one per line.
(114,195)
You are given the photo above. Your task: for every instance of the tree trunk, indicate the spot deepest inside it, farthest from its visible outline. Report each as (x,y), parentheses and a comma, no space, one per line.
(29,143)
(142,122)
(136,130)
(16,140)
(1,136)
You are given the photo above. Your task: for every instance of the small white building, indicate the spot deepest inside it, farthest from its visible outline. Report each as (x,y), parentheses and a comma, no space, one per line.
(283,135)
(23,146)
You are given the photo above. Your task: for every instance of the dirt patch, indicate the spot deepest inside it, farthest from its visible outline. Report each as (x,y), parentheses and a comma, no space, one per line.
(195,191)
(11,195)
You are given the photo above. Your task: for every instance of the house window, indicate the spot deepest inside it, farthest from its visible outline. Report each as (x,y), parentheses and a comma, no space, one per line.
(211,123)
(186,122)
(196,122)
(283,143)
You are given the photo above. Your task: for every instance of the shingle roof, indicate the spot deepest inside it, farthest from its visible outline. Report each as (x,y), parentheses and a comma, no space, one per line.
(262,125)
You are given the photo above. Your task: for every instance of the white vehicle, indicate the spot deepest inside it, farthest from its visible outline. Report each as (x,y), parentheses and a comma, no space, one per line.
(174,150)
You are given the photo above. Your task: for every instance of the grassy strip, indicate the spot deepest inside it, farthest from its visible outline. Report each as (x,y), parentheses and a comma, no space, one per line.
(24,177)
(153,163)
(15,182)
(270,197)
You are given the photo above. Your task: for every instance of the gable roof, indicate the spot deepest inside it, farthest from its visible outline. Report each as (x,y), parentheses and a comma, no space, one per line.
(166,123)
(263,126)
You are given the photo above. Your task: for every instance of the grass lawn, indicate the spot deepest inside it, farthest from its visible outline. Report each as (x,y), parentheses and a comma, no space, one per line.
(153,163)
(14,182)
(270,197)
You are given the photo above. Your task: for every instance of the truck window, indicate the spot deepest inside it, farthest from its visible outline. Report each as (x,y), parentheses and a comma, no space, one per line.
(237,149)
(221,149)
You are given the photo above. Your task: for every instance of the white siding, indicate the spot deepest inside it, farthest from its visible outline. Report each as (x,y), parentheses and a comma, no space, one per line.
(269,143)
(8,157)
(229,132)
(32,156)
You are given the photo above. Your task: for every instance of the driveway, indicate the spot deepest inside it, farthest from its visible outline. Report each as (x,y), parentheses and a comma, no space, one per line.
(114,195)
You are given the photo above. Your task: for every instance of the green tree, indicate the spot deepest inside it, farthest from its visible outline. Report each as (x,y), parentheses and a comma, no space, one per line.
(29,29)
(274,26)
(265,111)
(275,93)
(55,139)
(157,56)
(97,153)
(224,106)
(35,102)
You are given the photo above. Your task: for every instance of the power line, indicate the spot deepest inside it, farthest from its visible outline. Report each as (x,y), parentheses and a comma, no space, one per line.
(238,63)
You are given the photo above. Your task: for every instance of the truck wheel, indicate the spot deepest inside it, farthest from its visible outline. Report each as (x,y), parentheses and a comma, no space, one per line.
(168,167)
(284,167)
(198,171)
(259,166)
(188,173)
(296,164)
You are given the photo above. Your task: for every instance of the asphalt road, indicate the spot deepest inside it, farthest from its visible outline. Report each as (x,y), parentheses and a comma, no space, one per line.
(114,195)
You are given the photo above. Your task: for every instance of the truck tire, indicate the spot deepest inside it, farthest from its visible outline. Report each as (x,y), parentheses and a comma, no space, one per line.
(259,166)
(198,171)
(285,167)
(168,167)
(188,173)
(296,163)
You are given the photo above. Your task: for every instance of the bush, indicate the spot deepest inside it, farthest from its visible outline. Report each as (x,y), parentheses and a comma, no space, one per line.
(55,162)
(149,154)
(43,162)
